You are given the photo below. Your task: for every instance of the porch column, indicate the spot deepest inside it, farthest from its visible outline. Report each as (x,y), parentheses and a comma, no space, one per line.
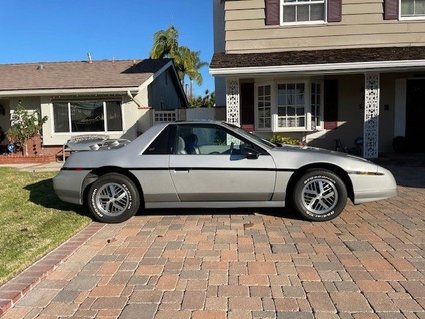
(371,116)
(232,102)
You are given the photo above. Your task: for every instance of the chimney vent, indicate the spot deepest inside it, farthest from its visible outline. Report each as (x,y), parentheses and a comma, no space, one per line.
(90,61)
(40,67)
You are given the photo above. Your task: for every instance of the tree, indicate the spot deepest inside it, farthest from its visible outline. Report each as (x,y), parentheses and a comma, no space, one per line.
(165,44)
(208,100)
(187,62)
(24,126)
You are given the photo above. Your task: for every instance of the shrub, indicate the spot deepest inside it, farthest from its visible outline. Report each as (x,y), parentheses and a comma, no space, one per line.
(279,139)
(24,126)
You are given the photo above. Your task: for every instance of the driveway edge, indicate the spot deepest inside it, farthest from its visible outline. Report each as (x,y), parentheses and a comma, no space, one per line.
(13,290)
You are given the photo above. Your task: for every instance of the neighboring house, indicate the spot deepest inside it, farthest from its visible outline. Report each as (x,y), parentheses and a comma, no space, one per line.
(120,99)
(323,70)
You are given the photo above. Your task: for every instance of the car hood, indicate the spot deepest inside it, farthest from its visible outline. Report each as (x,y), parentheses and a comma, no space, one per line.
(298,156)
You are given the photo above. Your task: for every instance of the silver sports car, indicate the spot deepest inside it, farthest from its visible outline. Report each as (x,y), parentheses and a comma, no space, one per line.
(216,165)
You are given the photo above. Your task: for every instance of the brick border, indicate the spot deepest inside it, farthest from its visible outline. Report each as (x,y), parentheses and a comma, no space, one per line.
(16,288)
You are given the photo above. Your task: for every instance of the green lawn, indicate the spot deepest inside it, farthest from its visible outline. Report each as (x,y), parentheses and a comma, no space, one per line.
(33,221)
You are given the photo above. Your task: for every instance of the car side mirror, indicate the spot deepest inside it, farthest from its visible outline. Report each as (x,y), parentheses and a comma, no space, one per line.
(250,153)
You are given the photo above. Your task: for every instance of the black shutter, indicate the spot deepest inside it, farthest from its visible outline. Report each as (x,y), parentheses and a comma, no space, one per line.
(390,9)
(272,12)
(334,10)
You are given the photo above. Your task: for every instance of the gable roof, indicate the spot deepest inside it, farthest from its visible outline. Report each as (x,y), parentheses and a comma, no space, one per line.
(299,60)
(78,75)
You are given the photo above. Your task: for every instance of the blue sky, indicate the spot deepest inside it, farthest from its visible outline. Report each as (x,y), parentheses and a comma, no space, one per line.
(65,30)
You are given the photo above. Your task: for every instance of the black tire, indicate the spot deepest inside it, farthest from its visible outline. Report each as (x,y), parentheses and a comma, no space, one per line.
(319,195)
(105,187)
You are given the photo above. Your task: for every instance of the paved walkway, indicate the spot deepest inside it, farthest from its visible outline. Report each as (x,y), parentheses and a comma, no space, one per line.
(369,263)
(36,167)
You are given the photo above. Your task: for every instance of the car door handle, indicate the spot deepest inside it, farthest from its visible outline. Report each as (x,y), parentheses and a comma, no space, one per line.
(181,170)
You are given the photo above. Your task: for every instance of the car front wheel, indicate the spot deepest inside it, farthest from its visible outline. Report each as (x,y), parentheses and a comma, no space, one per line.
(319,195)
(113,198)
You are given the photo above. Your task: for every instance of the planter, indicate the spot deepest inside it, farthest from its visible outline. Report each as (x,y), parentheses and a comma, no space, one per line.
(20,159)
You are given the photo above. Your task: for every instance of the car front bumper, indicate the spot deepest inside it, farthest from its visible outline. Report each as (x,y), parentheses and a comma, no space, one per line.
(368,188)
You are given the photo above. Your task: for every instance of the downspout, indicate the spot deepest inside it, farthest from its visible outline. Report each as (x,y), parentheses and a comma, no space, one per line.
(134,100)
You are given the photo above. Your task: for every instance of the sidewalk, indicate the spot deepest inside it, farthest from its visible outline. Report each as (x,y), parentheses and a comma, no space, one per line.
(36,167)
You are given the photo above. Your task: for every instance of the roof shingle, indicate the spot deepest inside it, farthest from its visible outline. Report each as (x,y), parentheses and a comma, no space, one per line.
(77,75)
(222,60)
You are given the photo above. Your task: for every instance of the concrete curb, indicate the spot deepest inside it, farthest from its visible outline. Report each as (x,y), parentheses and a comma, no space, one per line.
(12,291)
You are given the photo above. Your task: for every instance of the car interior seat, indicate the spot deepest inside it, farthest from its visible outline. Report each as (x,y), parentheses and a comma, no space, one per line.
(181,145)
(191,142)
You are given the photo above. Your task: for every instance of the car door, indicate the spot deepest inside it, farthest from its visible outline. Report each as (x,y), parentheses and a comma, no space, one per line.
(210,163)
(152,169)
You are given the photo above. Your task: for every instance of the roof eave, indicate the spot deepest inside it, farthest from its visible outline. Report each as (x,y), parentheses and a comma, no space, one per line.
(71,91)
(325,68)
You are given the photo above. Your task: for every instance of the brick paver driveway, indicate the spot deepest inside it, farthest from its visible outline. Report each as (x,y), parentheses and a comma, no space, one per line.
(368,263)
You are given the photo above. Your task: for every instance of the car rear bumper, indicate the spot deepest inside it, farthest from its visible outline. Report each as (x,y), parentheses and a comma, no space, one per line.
(68,185)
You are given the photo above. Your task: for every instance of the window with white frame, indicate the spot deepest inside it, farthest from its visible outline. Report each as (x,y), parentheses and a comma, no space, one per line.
(291,105)
(412,8)
(294,11)
(315,105)
(87,116)
(264,105)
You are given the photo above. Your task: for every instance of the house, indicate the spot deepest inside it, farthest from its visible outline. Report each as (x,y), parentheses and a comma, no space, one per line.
(120,99)
(323,70)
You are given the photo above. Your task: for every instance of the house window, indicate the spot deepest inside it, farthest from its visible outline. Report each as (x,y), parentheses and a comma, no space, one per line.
(412,8)
(264,104)
(315,105)
(291,105)
(302,11)
(87,116)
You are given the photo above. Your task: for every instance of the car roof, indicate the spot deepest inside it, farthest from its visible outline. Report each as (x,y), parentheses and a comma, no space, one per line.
(198,122)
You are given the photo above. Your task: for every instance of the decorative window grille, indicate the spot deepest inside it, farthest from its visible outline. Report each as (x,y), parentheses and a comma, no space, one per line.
(371,116)
(232,102)
(165,116)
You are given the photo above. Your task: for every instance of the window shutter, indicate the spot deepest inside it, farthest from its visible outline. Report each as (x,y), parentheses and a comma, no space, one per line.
(272,12)
(390,9)
(334,10)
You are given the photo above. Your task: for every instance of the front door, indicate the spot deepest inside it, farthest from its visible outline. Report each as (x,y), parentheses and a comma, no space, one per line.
(208,165)
(415,115)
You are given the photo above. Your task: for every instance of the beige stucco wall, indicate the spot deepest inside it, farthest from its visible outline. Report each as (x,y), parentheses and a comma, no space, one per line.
(362,25)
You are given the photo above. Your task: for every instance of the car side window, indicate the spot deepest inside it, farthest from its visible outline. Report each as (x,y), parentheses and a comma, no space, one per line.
(161,145)
(204,139)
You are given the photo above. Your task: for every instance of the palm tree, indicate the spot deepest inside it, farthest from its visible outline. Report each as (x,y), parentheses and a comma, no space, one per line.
(165,44)
(190,64)
(187,62)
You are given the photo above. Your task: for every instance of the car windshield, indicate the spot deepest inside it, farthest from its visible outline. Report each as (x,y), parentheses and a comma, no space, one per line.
(264,143)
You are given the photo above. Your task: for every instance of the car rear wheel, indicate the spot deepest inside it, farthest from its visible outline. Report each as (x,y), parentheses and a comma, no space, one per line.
(319,195)
(113,198)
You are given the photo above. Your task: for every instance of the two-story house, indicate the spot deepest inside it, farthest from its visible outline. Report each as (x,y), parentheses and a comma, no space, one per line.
(323,70)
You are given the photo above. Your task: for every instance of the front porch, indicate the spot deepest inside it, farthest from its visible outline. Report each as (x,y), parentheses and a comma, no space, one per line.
(371,95)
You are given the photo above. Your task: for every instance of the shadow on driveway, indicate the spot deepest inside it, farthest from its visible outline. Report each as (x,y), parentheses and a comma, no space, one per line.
(42,193)
(284,212)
